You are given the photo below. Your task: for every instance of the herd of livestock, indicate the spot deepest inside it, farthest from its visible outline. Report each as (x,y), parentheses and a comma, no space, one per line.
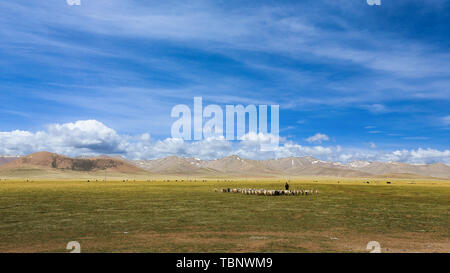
(269,192)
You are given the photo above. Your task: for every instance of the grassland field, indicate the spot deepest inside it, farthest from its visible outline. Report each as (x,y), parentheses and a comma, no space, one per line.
(159,216)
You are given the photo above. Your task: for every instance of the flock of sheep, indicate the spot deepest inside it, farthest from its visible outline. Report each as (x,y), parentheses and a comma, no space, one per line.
(270,192)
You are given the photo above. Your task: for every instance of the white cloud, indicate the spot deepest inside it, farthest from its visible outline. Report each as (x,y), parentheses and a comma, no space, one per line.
(416,138)
(376,108)
(317,138)
(91,137)
(446,120)
(81,137)
(418,156)
(145,137)
(85,134)
(372,145)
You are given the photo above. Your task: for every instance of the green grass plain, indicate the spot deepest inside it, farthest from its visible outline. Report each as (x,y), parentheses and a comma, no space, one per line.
(158,216)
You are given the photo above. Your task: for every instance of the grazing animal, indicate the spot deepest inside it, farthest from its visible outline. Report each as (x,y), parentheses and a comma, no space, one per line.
(264,192)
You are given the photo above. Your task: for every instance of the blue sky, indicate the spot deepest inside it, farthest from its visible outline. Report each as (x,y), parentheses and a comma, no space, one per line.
(373,79)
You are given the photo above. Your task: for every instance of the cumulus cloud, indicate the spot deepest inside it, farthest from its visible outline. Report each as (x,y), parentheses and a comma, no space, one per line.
(91,137)
(317,138)
(85,135)
(81,137)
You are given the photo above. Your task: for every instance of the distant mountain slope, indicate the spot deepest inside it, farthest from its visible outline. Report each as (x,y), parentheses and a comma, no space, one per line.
(54,162)
(383,168)
(173,165)
(297,166)
(241,167)
(403,176)
(7,159)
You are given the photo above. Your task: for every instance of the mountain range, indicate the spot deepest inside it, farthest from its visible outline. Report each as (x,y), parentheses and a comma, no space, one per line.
(45,163)
(290,166)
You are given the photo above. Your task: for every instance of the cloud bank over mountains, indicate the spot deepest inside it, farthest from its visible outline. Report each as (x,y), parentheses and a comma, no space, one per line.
(91,137)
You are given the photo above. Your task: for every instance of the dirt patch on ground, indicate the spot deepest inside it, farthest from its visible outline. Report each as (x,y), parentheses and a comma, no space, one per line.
(200,241)
(311,241)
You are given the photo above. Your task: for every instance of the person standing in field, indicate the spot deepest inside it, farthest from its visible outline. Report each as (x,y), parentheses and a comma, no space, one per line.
(286,186)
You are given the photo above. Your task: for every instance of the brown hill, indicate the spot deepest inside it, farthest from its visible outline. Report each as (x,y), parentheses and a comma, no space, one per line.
(54,162)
